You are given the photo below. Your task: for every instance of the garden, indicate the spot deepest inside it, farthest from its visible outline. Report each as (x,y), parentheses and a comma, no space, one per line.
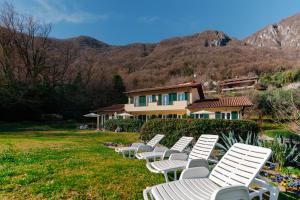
(41,161)
(282,170)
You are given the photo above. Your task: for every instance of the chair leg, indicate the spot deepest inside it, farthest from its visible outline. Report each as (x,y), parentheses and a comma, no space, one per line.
(146,192)
(166,176)
(175,175)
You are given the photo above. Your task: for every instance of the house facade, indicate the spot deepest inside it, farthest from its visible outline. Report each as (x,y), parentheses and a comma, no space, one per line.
(176,101)
(163,102)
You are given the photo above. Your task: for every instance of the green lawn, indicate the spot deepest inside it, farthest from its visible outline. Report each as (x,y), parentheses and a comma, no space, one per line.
(69,165)
(62,163)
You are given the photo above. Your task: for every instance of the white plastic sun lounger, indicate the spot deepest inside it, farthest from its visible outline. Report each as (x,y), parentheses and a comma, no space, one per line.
(164,152)
(179,161)
(229,180)
(140,147)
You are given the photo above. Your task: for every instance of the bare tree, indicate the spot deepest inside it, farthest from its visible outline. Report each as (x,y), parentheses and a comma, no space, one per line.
(24,45)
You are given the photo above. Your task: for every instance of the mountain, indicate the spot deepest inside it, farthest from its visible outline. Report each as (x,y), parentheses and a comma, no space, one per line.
(282,35)
(210,54)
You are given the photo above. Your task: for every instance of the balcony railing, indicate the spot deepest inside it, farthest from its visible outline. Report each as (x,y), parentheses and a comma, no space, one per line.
(177,105)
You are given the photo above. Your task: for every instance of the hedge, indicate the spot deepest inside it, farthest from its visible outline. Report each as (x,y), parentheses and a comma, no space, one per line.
(173,129)
(126,125)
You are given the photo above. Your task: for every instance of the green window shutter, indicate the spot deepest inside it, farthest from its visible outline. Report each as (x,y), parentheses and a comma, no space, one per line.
(142,101)
(186,96)
(172,97)
(206,116)
(153,98)
(218,115)
(159,99)
(234,115)
(192,115)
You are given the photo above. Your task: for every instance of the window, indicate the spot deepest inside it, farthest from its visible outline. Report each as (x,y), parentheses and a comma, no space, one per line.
(139,101)
(136,101)
(181,96)
(165,99)
(149,99)
(226,115)
(153,98)
(201,116)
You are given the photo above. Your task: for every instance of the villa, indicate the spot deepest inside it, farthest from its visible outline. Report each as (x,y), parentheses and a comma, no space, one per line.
(176,101)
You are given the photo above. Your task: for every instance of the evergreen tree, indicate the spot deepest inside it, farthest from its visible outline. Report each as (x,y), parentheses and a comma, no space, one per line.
(118,90)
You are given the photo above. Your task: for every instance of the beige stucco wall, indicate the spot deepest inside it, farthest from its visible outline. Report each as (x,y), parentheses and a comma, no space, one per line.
(194,95)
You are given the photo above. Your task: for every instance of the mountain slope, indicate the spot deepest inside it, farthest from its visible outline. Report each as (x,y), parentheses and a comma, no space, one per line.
(285,34)
(210,54)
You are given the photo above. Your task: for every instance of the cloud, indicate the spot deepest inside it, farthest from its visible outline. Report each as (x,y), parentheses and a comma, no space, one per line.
(148,20)
(56,11)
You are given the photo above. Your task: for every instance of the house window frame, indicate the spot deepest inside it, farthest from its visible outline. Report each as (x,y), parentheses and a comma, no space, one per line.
(181,96)
(136,101)
(226,115)
(149,99)
(165,99)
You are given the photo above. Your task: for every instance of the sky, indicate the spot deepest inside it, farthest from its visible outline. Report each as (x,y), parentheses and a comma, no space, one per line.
(119,22)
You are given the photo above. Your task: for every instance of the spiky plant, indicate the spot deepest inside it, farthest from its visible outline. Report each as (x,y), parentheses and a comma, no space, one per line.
(227,140)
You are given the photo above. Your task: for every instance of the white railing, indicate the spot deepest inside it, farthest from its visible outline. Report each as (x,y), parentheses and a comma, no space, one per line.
(177,105)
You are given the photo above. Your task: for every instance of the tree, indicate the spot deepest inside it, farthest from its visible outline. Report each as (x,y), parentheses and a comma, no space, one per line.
(24,45)
(285,107)
(118,90)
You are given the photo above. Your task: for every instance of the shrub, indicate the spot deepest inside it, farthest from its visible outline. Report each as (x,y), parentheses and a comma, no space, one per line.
(126,125)
(173,129)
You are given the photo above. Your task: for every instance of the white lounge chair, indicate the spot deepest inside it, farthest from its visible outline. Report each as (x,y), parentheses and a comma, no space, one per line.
(140,147)
(179,161)
(229,180)
(164,152)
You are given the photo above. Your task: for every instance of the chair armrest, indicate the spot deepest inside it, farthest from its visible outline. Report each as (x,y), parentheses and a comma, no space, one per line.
(178,156)
(136,144)
(197,163)
(144,148)
(236,192)
(196,172)
(274,191)
(169,152)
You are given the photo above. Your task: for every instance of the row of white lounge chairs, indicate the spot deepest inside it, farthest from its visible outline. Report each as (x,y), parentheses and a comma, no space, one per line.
(230,179)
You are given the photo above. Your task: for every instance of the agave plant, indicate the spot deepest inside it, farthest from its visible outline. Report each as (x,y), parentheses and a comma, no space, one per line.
(227,140)
(283,153)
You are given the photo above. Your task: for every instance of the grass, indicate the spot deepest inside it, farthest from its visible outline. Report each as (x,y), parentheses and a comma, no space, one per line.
(30,126)
(281,132)
(277,129)
(64,163)
(69,165)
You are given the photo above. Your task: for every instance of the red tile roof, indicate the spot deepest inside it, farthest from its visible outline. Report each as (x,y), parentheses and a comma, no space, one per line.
(222,102)
(111,109)
(183,85)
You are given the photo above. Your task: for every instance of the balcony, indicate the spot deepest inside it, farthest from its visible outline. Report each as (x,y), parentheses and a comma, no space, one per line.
(177,105)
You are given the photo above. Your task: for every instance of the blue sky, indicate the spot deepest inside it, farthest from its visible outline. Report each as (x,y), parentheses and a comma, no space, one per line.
(127,21)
